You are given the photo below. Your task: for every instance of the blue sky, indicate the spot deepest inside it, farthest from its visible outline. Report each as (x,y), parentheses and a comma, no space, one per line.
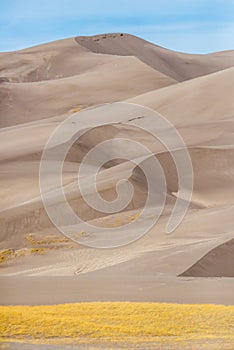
(197,26)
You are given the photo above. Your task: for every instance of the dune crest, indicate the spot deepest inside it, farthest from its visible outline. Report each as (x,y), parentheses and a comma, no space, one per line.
(177,65)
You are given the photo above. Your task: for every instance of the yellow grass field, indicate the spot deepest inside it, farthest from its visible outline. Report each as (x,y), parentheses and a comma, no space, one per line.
(117,322)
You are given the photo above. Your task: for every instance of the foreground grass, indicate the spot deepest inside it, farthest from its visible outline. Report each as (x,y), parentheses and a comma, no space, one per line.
(128,321)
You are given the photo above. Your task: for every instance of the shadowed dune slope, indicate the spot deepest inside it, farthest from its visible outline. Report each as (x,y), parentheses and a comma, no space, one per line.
(217,263)
(177,65)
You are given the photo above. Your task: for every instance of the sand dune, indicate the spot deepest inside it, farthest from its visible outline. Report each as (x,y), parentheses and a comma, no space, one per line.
(177,65)
(202,100)
(59,59)
(39,88)
(217,263)
(69,57)
(106,82)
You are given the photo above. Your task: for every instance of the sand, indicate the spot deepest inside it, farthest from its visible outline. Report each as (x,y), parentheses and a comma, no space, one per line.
(42,86)
(217,263)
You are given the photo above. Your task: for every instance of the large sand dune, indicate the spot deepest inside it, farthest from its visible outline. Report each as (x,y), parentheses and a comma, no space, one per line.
(177,65)
(105,82)
(42,86)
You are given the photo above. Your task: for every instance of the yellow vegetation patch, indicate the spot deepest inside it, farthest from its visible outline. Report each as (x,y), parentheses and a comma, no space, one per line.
(6,254)
(40,244)
(38,251)
(46,240)
(9,254)
(118,322)
(133,217)
(77,108)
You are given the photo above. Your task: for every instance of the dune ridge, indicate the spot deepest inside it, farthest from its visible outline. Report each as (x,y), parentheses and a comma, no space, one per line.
(177,65)
(42,86)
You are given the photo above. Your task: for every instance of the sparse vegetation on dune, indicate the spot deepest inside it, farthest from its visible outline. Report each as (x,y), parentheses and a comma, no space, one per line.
(9,254)
(6,254)
(78,108)
(38,251)
(118,322)
(46,240)
(35,245)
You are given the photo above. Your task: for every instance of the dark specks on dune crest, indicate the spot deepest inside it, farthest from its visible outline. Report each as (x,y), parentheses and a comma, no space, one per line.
(177,65)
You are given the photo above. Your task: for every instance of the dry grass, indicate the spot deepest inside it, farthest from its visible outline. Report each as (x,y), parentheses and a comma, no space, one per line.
(40,244)
(78,108)
(37,251)
(133,217)
(6,254)
(46,240)
(118,322)
(10,254)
